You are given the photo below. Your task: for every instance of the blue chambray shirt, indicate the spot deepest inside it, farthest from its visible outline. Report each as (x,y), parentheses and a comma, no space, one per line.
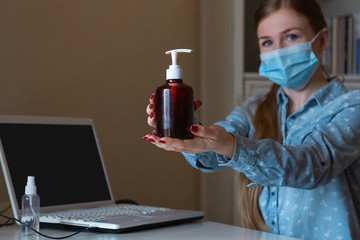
(312,180)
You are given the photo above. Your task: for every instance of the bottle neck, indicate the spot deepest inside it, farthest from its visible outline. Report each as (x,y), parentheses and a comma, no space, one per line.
(174,80)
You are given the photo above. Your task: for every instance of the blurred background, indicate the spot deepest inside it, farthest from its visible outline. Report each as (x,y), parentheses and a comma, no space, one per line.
(103,59)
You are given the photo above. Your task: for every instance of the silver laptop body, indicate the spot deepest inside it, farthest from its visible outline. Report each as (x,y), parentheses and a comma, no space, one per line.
(64,156)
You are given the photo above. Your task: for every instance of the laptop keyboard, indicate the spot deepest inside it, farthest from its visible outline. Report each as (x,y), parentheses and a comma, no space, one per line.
(96,214)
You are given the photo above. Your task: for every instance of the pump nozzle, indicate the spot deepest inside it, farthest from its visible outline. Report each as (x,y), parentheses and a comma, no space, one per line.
(174,71)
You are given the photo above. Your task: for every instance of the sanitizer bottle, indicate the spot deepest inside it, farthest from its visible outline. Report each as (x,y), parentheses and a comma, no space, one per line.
(174,107)
(30,211)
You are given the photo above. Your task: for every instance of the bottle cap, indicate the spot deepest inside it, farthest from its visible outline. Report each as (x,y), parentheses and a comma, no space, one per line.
(174,71)
(30,187)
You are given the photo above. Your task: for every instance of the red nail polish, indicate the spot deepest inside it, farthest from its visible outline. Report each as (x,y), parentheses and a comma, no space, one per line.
(194,128)
(150,140)
(151,115)
(153,132)
(151,106)
(161,141)
(197,104)
(145,138)
(151,96)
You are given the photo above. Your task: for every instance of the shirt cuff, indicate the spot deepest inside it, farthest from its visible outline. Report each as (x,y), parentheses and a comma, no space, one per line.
(244,157)
(194,161)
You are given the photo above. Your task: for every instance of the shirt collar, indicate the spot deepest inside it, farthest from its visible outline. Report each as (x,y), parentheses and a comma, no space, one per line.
(332,90)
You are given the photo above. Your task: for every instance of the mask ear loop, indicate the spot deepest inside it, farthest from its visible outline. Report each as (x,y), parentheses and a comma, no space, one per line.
(324,69)
(313,40)
(316,36)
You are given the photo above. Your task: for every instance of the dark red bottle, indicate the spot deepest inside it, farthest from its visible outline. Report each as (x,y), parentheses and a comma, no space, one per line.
(174,107)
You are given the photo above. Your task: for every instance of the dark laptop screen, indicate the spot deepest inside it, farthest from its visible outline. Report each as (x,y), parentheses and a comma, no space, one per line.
(64,159)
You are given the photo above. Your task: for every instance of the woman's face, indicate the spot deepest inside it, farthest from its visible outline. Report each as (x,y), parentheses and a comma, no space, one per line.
(283,28)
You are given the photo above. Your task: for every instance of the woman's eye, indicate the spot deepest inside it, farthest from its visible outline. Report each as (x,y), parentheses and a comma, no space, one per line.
(266,43)
(292,37)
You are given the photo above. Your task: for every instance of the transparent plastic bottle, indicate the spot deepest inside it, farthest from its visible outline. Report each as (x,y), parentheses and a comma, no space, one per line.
(30,211)
(174,107)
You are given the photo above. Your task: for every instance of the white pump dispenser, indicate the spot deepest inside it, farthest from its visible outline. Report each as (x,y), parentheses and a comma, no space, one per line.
(174,71)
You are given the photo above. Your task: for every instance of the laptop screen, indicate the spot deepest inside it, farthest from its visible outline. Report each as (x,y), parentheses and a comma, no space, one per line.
(64,158)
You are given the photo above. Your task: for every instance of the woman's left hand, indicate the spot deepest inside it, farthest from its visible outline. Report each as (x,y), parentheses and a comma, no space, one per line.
(206,139)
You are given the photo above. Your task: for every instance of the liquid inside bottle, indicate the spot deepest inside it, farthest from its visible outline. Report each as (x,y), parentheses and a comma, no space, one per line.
(30,214)
(174,110)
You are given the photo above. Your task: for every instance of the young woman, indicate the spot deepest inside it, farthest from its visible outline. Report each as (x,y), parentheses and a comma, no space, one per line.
(298,147)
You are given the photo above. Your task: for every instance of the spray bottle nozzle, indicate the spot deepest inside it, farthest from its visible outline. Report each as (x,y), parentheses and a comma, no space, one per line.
(174,71)
(30,187)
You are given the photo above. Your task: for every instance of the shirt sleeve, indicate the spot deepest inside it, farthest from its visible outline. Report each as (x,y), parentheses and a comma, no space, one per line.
(237,123)
(323,153)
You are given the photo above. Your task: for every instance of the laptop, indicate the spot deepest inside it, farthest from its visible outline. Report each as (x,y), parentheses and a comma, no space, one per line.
(63,154)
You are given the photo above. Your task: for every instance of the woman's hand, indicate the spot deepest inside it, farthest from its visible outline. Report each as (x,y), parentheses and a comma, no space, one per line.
(206,139)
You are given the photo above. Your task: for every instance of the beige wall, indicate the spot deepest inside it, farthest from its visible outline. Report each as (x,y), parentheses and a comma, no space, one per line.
(102,59)
(217,71)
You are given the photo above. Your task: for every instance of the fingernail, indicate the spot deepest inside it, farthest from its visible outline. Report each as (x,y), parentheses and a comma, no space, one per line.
(153,132)
(161,141)
(197,104)
(151,106)
(145,138)
(151,96)
(194,128)
(151,115)
(150,140)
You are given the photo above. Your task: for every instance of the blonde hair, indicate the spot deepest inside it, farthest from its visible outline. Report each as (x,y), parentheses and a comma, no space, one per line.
(266,121)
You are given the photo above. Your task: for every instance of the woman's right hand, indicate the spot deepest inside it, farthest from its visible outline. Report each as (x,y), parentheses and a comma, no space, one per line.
(150,110)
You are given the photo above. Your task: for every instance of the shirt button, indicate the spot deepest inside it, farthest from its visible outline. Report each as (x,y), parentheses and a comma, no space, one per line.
(272,193)
(322,163)
(273,222)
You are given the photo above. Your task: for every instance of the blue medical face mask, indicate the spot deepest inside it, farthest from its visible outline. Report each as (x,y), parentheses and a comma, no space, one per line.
(291,67)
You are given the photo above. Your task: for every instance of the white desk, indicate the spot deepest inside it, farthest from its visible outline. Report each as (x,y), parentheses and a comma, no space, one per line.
(196,230)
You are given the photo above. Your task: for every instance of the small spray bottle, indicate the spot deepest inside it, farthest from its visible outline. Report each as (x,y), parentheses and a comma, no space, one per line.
(174,103)
(30,211)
